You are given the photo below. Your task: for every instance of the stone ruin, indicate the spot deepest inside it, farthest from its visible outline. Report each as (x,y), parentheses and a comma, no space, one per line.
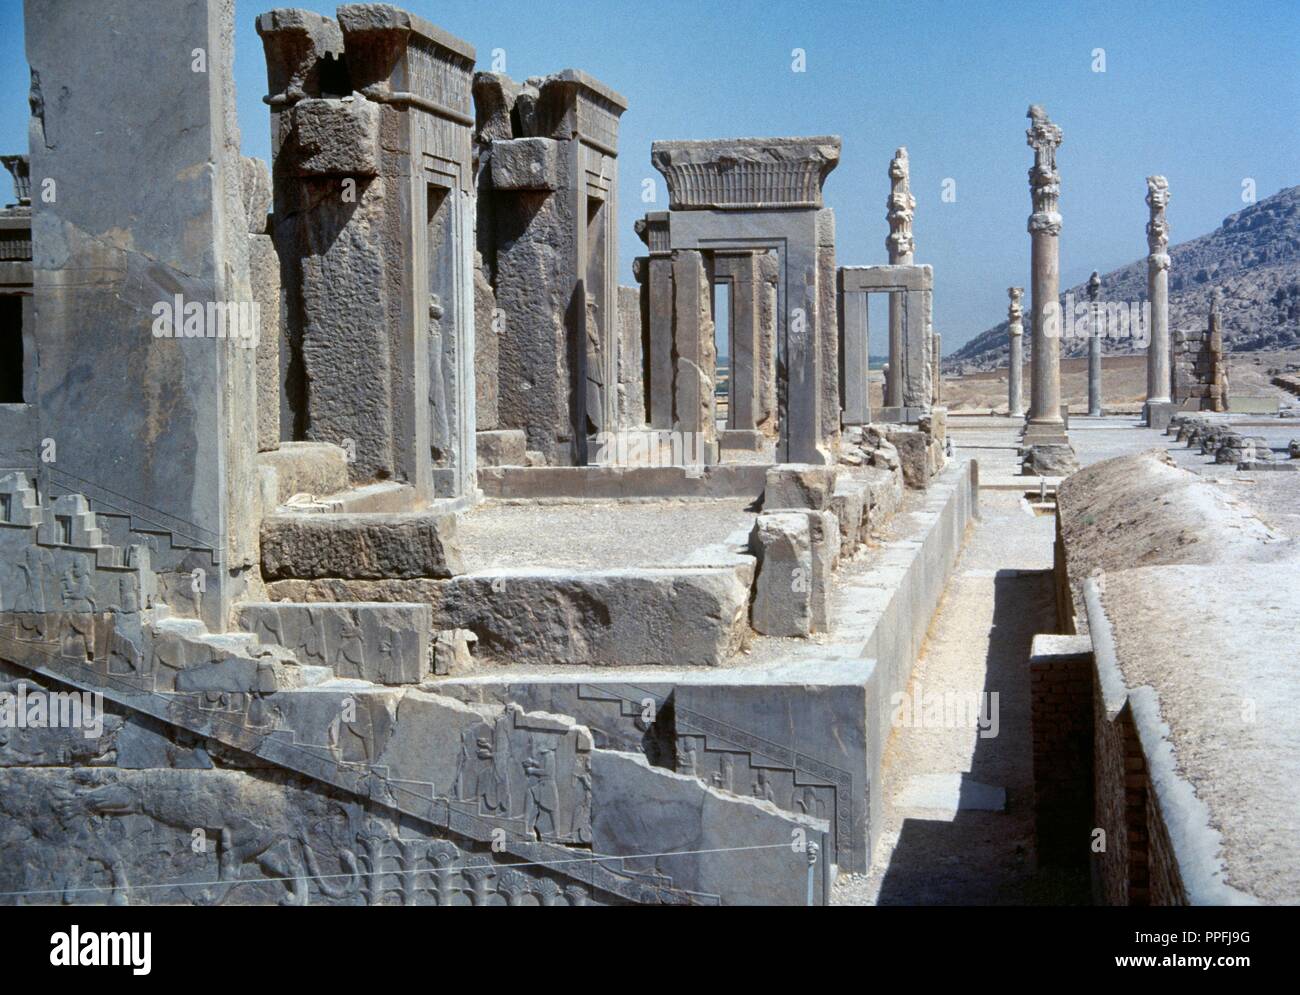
(1201,366)
(295,465)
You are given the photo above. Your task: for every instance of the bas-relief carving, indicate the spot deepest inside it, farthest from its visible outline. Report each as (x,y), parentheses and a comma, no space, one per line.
(231,838)
(535,782)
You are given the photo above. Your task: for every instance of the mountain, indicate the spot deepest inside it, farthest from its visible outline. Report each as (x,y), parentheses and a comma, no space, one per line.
(1253,257)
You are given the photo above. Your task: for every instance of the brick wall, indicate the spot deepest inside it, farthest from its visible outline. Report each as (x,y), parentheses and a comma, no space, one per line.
(1061,720)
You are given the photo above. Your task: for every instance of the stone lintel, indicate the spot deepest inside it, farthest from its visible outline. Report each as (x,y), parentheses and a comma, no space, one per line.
(743,173)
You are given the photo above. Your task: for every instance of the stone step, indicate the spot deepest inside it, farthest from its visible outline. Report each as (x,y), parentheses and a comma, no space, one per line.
(358,545)
(307,468)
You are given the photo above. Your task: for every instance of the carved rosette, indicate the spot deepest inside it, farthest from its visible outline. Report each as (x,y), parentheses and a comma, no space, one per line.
(1158,226)
(1015,311)
(1044,181)
(900,207)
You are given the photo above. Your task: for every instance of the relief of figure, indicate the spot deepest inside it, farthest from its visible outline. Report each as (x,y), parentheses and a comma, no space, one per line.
(763,787)
(439,423)
(313,643)
(77,629)
(30,600)
(581,830)
(128,599)
(726,775)
(494,780)
(688,757)
(807,802)
(543,798)
(351,644)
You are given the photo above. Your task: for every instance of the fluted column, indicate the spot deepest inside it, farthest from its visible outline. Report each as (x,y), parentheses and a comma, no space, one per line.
(1094,344)
(1158,373)
(1045,230)
(899,211)
(1016,361)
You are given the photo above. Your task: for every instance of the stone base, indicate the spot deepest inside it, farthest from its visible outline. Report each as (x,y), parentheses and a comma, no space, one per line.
(1044,434)
(1049,460)
(502,447)
(1156,414)
(899,416)
(747,439)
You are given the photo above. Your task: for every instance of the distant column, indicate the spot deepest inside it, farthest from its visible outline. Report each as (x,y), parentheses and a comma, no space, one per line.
(1158,375)
(1016,362)
(1045,231)
(899,211)
(1094,344)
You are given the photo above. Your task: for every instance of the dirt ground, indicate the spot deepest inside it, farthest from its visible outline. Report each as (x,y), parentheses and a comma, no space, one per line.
(1123,382)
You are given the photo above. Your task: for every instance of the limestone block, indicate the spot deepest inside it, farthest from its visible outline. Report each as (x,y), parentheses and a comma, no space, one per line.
(913,455)
(695,353)
(487,351)
(264,274)
(800,485)
(502,447)
(685,616)
(631,382)
(384,643)
(334,137)
(315,468)
(783,598)
(494,100)
(409,544)
(1049,460)
(526,164)
(645,810)
(255,185)
(451,651)
(850,501)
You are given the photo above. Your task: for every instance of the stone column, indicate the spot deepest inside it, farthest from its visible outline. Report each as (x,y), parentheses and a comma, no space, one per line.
(853,357)
(658,281)
(1094,344)
(900,208)
(1016,362)
(696,357)
(1045,422)
(1158,376)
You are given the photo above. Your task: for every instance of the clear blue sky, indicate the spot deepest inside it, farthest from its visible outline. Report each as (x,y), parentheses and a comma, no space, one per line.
(1206,93)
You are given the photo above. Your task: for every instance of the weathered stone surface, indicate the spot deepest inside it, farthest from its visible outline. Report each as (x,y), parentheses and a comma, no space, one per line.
(526,164)
(451,651)
(742,172)
(695,354)
(783,595)
(684,616)
(503,447)
(255,186)
(631,383)
(315,468)
(264,274)
(159,215)
(381,643)
(335,137)
(686,819)
(414,544)
(487,350)
(850,502)
(799,485)
(1049,461)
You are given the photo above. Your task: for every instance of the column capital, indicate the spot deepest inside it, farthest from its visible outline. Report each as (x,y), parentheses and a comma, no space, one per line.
(899,210)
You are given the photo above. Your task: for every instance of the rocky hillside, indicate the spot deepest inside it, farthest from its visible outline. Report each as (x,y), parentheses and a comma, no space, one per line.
(1254,258)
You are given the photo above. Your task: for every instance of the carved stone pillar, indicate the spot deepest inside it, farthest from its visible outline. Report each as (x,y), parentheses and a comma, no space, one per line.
(1045,421)
(1158,375)
(900,208)
(1094,344)
(1016,362)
